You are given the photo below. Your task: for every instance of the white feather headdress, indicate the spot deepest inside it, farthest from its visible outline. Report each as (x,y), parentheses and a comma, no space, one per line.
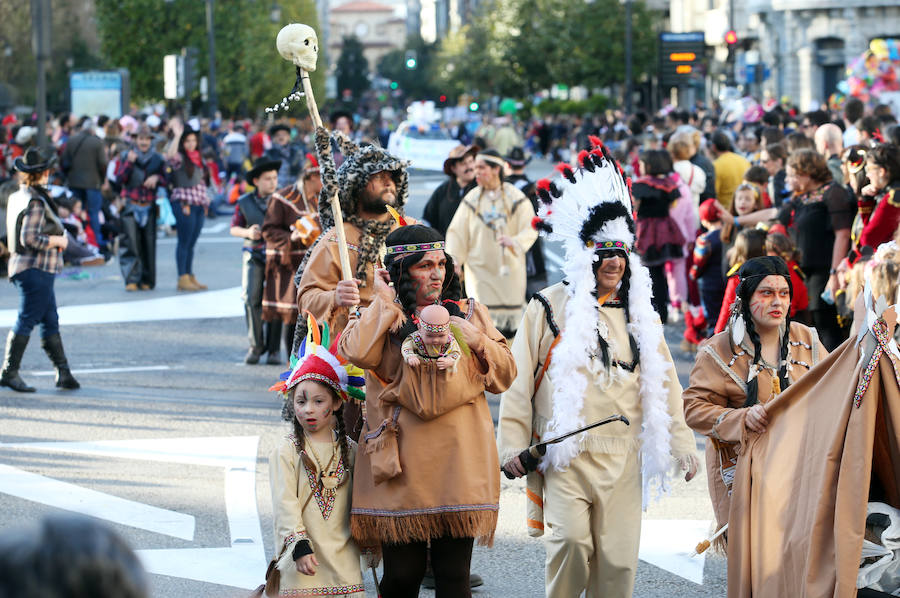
(587,209)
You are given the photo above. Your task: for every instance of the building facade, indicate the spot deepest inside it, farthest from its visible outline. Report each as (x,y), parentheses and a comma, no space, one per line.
(376,25)
(799,49)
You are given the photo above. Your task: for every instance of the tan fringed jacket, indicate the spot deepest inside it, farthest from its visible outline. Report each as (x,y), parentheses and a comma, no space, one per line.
(714,401)
(449,483)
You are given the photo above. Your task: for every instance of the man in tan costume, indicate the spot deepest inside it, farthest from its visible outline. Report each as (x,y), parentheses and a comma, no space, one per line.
(588,348)
(367,182)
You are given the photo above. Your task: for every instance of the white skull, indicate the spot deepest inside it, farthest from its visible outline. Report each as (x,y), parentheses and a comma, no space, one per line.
(299,44)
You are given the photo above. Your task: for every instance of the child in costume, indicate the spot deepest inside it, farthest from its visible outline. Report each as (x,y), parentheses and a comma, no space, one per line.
(311,475)
(432,341)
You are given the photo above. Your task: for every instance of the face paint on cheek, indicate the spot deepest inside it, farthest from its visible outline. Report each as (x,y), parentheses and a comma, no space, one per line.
(756,308)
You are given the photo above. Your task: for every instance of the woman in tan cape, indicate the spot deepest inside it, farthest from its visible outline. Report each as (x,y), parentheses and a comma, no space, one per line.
(488,237)
(741,369)
(427,467)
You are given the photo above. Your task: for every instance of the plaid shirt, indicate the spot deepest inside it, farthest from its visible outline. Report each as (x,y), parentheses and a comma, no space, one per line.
(140,195)
(34,246)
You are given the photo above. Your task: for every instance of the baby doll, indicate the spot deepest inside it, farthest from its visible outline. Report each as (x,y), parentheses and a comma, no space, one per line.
(433,340)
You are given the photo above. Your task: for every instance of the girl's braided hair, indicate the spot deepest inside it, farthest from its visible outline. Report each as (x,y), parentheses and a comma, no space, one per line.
(300,441)
(751,274)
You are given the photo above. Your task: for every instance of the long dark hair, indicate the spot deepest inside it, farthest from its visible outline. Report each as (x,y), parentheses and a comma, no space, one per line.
(340,427)
(398,268)
(186,162)
(751,274)
(624,289)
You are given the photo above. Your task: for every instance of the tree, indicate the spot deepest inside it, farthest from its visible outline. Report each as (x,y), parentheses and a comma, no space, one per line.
(352,70)
(412,82)
(250,74)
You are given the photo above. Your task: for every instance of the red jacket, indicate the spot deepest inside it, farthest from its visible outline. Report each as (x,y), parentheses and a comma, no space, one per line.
(800,300)
(884,220)
(728,299)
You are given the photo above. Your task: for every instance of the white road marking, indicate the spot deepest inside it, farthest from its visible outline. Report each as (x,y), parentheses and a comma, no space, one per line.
(202,240)
(63,495)
(145,368)
(669,543)
(225,303)
(239,565)
(218,227)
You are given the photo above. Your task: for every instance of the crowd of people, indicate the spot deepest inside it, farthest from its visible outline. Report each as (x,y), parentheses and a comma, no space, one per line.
(759,235)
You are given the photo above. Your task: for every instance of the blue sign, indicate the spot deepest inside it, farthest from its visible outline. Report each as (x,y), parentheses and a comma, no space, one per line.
(691,36)
(96,80)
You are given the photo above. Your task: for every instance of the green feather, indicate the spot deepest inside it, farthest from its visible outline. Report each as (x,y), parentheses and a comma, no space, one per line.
(326,337)
(457,334)
(357,393)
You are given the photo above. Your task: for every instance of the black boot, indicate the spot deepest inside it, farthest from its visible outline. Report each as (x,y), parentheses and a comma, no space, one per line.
(273,342)
(53,347)
(15,348)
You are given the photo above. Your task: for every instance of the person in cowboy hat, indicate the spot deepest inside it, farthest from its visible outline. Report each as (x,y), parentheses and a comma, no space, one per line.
(460,170)
(36,242)
(534,259)
(249,215)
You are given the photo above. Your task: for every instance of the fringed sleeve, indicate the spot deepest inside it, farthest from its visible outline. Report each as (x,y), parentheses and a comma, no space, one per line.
(286,507)
(520,228)
(494,359)
(363,340)
(683,442)
(706,398)
(316,291)
(514,430)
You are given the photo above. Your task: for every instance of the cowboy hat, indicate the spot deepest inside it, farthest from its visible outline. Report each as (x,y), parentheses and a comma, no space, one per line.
(35,160)
(262,165)
(516,158)
(458,153)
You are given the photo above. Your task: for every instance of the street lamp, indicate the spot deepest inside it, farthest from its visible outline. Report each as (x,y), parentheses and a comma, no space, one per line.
(211,36)
(628,83)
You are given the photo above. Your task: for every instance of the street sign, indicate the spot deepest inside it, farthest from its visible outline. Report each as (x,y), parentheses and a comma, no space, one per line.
(681,57)
(93,93)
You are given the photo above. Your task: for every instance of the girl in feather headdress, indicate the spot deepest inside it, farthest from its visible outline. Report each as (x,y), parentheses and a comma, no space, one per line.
(311,474)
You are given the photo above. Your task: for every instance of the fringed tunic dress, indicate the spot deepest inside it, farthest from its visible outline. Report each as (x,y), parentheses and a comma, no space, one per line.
(448,483)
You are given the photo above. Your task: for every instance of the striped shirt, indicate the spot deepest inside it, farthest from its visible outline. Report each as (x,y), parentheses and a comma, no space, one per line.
(34,249)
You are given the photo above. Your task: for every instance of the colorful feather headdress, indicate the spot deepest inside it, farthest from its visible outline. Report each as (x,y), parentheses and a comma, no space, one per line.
(317,359)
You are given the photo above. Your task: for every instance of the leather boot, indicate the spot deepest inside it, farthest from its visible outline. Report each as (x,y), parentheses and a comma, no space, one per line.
(15,348)
(186,284)
(198,284)
(52,345)
(273,342)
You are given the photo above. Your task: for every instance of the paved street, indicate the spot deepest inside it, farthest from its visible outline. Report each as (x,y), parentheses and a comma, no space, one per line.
(169,436)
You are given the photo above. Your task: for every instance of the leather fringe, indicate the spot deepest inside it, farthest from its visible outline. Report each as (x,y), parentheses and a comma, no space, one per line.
(369,529)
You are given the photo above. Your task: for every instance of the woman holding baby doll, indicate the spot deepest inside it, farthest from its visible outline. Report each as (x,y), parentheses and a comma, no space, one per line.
(427,467)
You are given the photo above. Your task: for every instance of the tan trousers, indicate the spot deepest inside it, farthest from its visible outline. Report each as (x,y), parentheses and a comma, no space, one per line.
(593,515)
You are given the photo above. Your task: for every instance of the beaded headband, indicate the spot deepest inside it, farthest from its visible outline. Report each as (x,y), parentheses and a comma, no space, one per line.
(414,247)
(435,328)
(492,159)
(622,245)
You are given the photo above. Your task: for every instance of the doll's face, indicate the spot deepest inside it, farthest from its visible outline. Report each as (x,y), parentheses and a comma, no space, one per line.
(433,338)
(314,405)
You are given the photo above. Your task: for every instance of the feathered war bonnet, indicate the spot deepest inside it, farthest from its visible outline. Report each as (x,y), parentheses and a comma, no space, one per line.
(317,359)
(589,210)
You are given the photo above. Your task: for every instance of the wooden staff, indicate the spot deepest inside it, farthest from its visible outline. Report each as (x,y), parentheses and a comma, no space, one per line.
(346,272)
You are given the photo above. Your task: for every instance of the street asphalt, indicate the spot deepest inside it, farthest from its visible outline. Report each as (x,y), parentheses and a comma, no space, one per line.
(156,371)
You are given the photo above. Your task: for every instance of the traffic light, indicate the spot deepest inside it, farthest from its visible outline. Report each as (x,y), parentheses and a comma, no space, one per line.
(411,59)
(473,107)
(394,85)
(442,99)
(190,70)
(731,37)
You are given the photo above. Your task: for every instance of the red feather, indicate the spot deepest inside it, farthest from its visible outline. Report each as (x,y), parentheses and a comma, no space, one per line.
(582,156)
(595,141)
(566,170)
(544,184)
(313,162)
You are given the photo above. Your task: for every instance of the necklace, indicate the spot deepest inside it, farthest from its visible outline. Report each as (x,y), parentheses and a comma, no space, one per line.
(328,478)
